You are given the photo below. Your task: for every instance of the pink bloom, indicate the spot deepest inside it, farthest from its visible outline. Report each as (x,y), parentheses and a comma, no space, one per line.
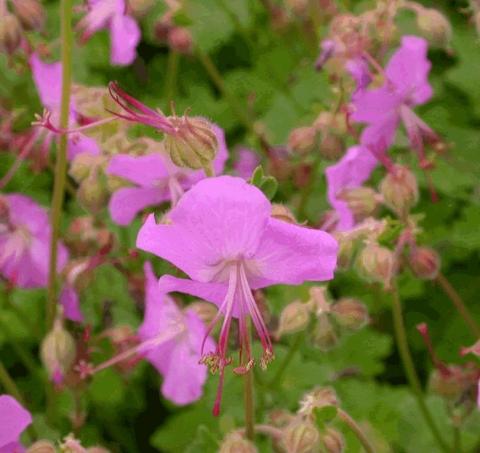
(172,343)
(222,236)
(157,179)
(351,171)
(70,302)
(48,81)
(124,31)
(13,421)
(246,162)
(405,87)
(25,242)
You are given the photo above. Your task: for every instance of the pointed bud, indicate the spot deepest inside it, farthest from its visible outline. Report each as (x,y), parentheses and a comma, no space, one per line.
(333,441)
(346,247)
(302,140)
(236,443)
(350,313)
(424,262)
(294,318)
(324,335)
(318,300)
(362,201)
(376,264)
(58,351)
(434,26)
(180,40)
(10,33)
(300,437)
(399,190)
(194,144)
(30,13)
(42,446)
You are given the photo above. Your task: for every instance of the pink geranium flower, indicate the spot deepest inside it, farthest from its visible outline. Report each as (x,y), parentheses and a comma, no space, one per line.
(221,234)
(25,242)
(406,86)
(245,163)
(176,356)
(48,81)
(157,179)
(13,421)
(124,31)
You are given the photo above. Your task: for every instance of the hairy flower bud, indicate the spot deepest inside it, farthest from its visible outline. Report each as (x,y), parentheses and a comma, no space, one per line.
(30,13)
(57,351)
(281,212)
(294,317)
(300,437)
(424,262)
(317,398)
(93,192)
(82,166)
(448,385)
(302,140)
(346,247)
(332,146)
(324,335)
(97,450)
(434,26)
(180,39)
(42,446)
(350,313)
(362,201)
(194,145)
(376,264)
(399,190)
(236,443)
(333,441)
(10,33)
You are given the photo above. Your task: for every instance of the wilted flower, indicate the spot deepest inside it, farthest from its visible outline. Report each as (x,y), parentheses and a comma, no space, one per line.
(14,419)
(222,236)
(25,243)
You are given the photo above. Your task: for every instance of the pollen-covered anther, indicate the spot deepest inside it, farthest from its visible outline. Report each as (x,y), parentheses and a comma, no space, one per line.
(244,369)
(214,362)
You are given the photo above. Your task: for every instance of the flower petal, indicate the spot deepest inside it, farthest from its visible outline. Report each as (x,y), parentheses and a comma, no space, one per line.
(13,420)
(80,143)
(71,304)
(48,81)
(125,35)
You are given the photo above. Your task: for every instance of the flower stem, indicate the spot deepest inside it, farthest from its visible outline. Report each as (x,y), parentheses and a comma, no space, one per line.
(452,294)
(248,402)
(61,162)
(409,367)
(171,77)
(352,424)
(277,378)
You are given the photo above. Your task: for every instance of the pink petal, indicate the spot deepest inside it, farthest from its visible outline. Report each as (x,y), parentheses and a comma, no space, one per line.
(48,81)
(372,106)
(246,162)
(145,171)
(80,143)
(125,35)
(24,211)
(71,304)
(13,420)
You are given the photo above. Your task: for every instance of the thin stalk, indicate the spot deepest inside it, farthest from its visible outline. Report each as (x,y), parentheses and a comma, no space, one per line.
(277,378)
(409,368)
(171,77)
(61,161)
(248,400)
(457,301)
(9,385)
(352,424)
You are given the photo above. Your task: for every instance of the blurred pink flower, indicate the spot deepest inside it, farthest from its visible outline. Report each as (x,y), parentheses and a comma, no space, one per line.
(221,234)
(25,242)
(172,342)
(70,302)
(48,81)
(124,31)
(245,163)
(13,421)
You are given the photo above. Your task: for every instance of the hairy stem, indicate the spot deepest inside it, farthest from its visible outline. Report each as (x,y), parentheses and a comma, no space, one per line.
(61,160)
(352,424)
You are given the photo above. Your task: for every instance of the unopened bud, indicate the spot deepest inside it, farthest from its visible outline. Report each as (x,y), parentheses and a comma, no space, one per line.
(301,437)
(294,317)
(58,351)
(346,247)
(281,212)
(303,139)
(424,262)
(399,190)
(194,145)
(140,7)
(376,264)
(350,313)
(180,40)
(236,443)
(42,446)
(333,441)
(324,336)
(332,146)
(362,201)
(82,166)
(280,418)
(317,398)
(318,300)
(448,385)
(205,311)
(93,192)
(30,13)
(434,26)
(10,33)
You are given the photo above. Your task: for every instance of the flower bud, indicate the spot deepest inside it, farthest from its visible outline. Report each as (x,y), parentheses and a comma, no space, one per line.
(194,144)
(30,13)
(58,351)
(281,212)
(448,385)
(362,201)
(236,443)
(333,441)
(318,300)
(280,418)
(303,139)
(205,310)
(376,264)
(332,146)
(399,190)
(300,437)
(294,317)
(10,33)
(350,313)
(346,247)
(97,450)
(424,262)
(180,39)
(82,166)
(93,193)
(324,336)
(434,26)
(317,398)
(140,7)
(42,446)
